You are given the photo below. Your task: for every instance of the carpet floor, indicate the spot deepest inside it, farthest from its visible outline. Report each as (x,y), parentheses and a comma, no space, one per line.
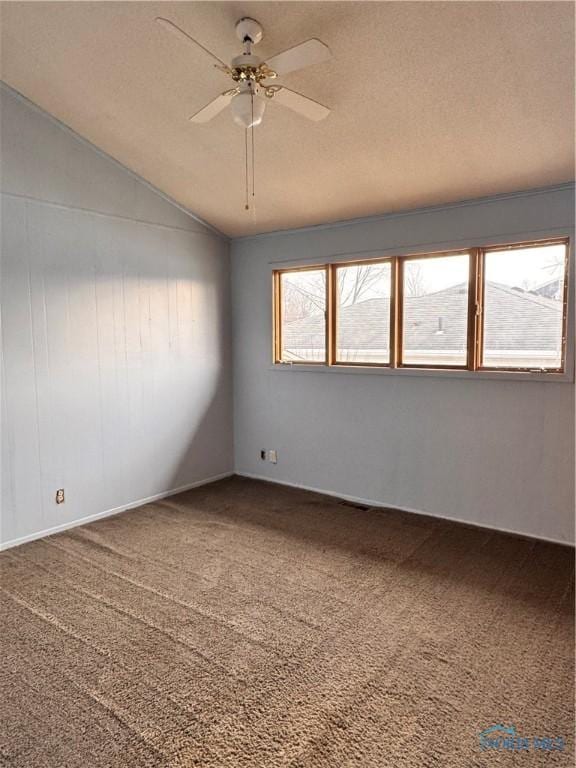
(247,625)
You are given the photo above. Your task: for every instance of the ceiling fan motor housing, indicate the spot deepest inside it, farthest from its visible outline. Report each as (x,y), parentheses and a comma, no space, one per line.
(250,68)
(246,60)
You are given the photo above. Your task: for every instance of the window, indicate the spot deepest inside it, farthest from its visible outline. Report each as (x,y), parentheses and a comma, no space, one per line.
(362,302)
(481,309)
(301,302)
(435,311)
(524,307)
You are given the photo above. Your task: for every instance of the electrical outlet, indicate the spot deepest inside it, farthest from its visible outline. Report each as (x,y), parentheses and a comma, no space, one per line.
(60,496)
(273,457)
(263,455)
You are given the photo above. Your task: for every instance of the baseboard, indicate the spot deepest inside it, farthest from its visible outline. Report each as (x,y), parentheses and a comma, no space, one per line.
(376,504)
(110,512)
(215,478)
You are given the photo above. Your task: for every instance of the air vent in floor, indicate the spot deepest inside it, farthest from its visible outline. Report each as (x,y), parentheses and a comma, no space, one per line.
(353,504)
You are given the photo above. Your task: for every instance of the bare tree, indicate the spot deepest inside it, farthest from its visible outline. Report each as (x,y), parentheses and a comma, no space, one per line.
(303,297)
(555,264)
(305,294)
(414,279)
(361,282)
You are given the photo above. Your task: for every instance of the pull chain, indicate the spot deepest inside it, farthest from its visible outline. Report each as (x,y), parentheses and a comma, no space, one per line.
(250,162)
(246,206)
(252,129)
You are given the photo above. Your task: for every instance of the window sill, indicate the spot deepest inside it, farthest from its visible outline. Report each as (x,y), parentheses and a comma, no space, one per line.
(440,373)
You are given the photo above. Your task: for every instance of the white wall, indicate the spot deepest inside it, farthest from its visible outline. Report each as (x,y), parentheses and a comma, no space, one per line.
(116,378)
(493,452)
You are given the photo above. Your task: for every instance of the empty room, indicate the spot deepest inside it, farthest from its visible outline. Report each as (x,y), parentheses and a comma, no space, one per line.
(287,310)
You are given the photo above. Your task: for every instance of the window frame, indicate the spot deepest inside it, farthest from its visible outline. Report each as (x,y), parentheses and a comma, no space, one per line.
(482,291)
(277,329)
(333,314)
(470,308)
(475,320)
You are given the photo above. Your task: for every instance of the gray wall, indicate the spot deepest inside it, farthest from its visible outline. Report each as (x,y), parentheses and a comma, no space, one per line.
(116,362)
(495,452)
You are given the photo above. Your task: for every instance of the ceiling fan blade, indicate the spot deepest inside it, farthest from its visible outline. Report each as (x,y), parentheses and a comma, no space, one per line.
(310,52)
(311,109)
(214,107)
(186,38)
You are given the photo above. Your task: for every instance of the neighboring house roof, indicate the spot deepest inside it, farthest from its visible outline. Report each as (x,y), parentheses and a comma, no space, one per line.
(516,320)
(552,289)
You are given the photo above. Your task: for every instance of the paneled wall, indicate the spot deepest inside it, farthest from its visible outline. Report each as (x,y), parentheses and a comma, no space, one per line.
(116,376)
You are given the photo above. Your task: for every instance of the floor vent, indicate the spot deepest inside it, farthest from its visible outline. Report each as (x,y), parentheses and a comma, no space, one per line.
(353,504)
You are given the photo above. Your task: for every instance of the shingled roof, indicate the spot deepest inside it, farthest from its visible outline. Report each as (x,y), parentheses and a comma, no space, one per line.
(515,320)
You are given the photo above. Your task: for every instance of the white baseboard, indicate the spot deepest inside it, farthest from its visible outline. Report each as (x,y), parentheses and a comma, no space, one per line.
(380,504)
(109,512)
(215,478)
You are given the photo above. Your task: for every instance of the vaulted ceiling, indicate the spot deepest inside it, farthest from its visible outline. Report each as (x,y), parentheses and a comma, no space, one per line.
(431,101)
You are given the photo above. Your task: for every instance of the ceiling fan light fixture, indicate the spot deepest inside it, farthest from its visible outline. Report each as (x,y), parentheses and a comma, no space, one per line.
(247,110)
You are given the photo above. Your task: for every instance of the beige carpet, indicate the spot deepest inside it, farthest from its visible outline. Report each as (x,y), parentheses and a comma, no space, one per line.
(244,624)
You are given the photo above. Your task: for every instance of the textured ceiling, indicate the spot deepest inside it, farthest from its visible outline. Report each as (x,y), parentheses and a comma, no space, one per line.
(431,101)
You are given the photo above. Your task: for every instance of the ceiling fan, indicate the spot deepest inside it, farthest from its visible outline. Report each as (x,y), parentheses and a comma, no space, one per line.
(251,76)
(253,87)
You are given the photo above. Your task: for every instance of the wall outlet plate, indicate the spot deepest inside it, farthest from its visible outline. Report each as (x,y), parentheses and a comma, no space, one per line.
(60,496)
(273,457)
